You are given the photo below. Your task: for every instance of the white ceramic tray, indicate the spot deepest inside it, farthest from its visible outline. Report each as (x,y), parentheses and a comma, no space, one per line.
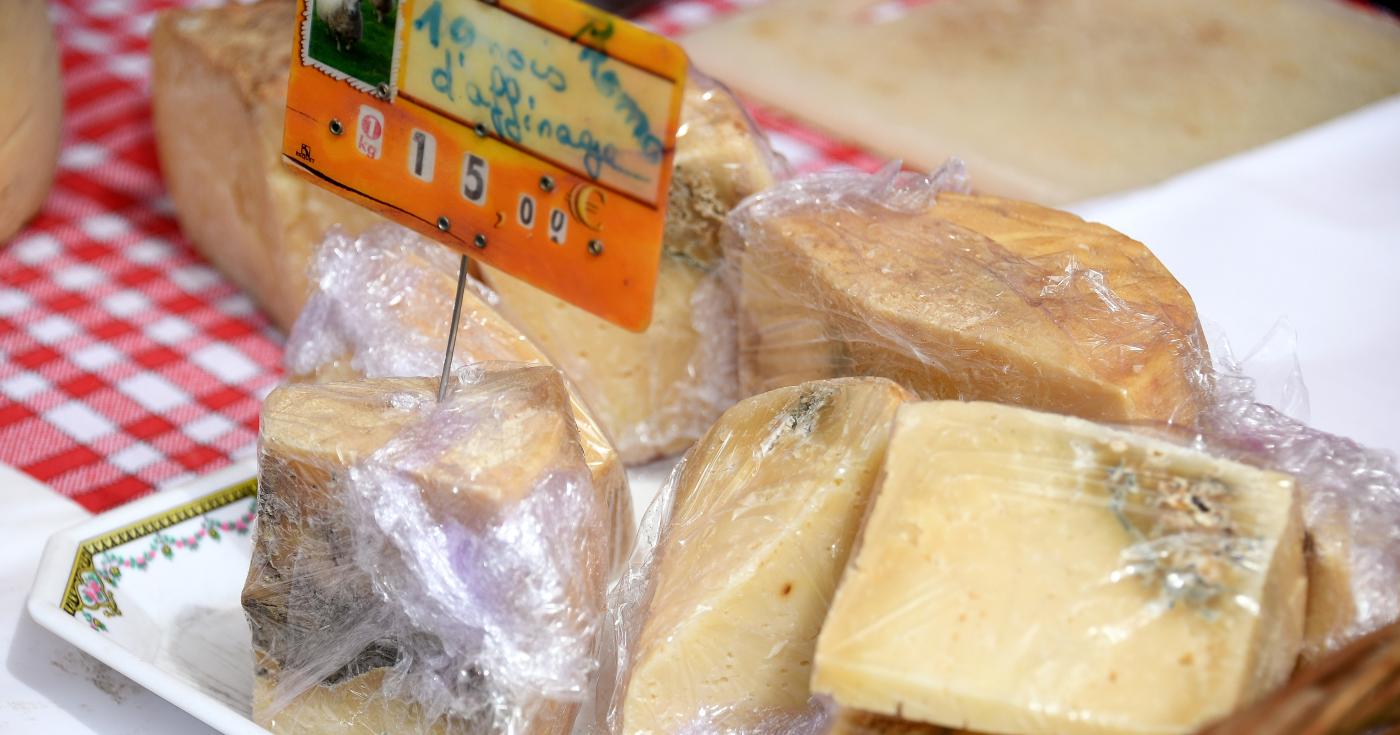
(152,590)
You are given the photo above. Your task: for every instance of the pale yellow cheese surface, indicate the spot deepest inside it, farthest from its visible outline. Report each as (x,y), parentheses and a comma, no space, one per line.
(967,297)
(1029,573)
(765,510)
(653,391)
(219,93)
(30,125)
(656,391)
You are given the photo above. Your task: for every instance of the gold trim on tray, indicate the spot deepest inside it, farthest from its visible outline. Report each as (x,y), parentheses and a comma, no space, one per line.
(88,549)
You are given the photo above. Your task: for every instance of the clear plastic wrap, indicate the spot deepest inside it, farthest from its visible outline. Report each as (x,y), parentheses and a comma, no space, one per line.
(1140,576)
(1035,573)
(380,306)
(715,621)
(956,296)
(659,390)
(1351,503)
(421,566)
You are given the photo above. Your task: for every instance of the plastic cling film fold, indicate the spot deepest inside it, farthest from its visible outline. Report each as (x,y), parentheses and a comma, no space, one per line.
(1034,573)
(381,305)
(715,621)
(907,277)
(425,567)
(1350,501)
(657,391)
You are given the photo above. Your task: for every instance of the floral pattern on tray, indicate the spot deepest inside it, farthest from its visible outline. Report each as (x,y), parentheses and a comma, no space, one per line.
(101,562)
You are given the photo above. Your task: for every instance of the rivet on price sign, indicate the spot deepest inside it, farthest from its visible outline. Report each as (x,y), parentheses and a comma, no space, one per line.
(544,128)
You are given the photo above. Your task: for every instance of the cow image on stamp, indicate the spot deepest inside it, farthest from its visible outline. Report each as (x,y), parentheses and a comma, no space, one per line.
(352,38)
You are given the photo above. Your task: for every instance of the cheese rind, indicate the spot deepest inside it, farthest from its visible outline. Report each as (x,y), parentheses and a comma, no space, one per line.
(855,722)
(380,307)
(30,125)
(219,93)
(446,560)
(657,391)
(1028,573)
(764,511)
(960,297)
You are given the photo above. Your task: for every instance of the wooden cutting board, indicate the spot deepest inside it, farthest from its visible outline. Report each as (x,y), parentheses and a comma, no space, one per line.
(1057,100)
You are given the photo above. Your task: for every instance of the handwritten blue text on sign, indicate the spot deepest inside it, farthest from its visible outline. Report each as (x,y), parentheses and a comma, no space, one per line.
(546,93)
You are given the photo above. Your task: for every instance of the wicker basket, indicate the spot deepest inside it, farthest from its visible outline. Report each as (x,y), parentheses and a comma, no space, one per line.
(1355,690)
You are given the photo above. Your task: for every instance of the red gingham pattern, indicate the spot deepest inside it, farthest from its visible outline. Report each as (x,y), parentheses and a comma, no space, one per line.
(126,362)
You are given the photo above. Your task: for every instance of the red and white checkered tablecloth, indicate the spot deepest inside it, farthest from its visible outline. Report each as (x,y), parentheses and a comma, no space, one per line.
(126,361)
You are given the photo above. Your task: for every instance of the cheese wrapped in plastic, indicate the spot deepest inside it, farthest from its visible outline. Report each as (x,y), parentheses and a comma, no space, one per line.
(380,306)
(657,391)
(1350,497)
(421,566)
(718,622)
(1024,572)
(958,296)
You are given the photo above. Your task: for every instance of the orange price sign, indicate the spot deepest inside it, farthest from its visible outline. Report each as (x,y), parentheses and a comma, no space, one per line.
(534,135)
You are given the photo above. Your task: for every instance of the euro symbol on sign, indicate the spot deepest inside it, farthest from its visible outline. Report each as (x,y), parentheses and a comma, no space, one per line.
(586,201)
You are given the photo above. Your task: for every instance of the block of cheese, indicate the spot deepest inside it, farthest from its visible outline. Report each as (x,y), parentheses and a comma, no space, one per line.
(1057,100)
(1023,572)
(764,512)
(1353,548)
(380,306)
(30,117)
(960,297)
(219,92)
(446,560)
(657,391)
(1331,599)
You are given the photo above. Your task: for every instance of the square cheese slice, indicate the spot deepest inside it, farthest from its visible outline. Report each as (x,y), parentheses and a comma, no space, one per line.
(444,560)
(766,507)
(967,297)
(1029,573)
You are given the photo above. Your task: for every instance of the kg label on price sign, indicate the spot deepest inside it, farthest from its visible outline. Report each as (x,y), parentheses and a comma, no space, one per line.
(534,135)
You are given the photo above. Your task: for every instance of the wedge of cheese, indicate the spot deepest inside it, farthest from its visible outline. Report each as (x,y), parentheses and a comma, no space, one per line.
(1023,572)
(30,124)
(1332,609)
(657,391)
(446,560)
(381,305)
(765,510)
(963,297)
(219,92)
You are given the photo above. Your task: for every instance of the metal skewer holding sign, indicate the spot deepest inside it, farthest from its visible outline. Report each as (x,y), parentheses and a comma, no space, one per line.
(536,135)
